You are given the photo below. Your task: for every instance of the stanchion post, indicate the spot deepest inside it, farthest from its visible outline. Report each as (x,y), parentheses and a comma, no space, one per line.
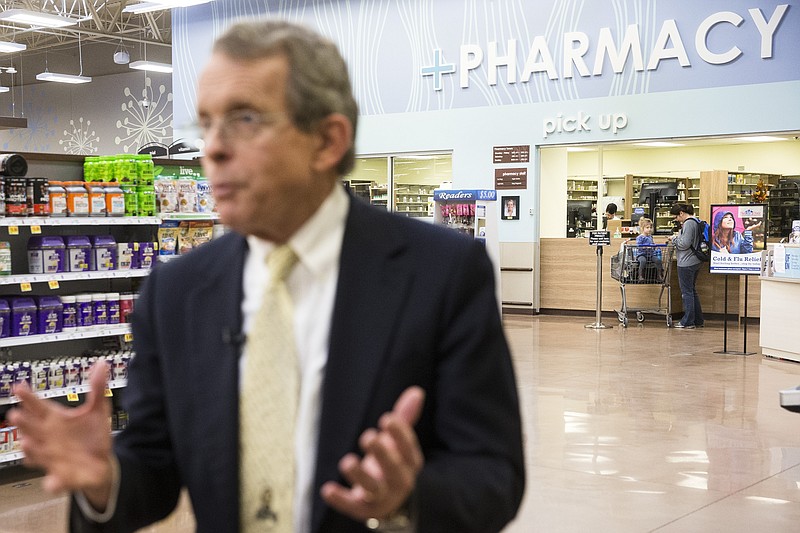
(599,239)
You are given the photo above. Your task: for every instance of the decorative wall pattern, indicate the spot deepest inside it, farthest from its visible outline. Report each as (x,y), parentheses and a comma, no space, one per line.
(82,140)
(146,120)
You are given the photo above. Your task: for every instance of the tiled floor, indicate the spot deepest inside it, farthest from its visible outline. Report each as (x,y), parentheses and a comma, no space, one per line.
(627,430)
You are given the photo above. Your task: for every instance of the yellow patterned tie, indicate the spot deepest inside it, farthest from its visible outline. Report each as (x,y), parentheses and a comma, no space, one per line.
(268,406)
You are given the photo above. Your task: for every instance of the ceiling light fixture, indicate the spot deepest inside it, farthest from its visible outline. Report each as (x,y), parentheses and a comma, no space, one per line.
(659,144)
(151,65)
(34,18)
(62,78)
(4,89)
(158,5)
(760,139)
(7,47)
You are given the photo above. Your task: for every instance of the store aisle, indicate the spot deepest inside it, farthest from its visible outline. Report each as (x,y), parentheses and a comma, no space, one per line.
(627,430)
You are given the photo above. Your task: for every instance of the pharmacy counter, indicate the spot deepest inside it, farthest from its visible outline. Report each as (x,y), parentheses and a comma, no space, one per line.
(780,336)
(568,281)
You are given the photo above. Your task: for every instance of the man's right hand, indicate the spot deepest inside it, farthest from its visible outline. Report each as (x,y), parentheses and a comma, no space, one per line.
(72,445)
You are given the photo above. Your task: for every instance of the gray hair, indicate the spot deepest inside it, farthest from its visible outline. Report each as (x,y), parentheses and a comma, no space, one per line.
(318,85)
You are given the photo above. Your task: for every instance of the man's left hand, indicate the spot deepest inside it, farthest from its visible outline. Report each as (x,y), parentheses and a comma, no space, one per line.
(384,478)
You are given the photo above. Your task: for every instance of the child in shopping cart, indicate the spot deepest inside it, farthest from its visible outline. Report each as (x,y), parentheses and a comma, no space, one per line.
(646,252)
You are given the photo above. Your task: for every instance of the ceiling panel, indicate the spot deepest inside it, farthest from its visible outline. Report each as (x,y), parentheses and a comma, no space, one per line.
(102,29)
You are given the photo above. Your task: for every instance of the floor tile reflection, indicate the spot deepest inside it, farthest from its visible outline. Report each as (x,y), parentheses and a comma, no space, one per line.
(647,428)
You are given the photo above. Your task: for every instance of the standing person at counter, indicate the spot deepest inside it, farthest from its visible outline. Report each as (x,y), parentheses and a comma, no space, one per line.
(688,264)
(388,380)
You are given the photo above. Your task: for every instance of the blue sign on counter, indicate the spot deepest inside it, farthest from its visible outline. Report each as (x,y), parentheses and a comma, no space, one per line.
(464,195)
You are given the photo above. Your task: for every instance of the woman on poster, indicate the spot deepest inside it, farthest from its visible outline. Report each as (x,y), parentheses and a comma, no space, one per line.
(726,239)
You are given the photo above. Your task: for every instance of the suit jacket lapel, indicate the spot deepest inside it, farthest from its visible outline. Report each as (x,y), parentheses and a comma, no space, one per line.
(369,295)
(216,325)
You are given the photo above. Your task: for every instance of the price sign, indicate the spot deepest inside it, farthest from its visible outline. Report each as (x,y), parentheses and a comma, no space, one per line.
(36,230)
(599,238)
(128,337)
(25,286)
(107,393)
(72,397)
(53,284)
(13,230)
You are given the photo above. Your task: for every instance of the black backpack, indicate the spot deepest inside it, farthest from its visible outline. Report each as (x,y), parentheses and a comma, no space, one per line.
(702,247)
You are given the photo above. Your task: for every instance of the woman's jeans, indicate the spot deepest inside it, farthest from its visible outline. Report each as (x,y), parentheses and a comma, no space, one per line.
(692,312)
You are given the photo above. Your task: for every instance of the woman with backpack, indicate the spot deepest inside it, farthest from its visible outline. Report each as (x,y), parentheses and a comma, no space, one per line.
(688,264)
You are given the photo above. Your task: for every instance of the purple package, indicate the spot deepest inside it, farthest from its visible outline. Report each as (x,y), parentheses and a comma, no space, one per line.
(5,319)
(78,253)
(46,255)
(23,317)
(23,373)
(104,252)
(50,314)
(136,255)
(6,380)
(147,252)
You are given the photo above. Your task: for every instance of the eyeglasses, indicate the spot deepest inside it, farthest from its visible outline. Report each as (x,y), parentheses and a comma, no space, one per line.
(240,124)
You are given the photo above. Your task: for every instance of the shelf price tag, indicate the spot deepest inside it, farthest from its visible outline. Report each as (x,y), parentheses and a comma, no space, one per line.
(107,393)
(13,230)
(53,284)
(72,397)
(128,337)
(36,230)
(25,286)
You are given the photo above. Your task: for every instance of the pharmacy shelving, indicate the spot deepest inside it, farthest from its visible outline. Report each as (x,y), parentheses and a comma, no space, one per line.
(582,189)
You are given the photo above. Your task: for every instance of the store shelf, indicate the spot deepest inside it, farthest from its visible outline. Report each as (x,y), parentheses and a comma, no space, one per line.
(78,221)
(65,391)
(79,333)
(73,276)
(11,457)
(17,455)
(188,216)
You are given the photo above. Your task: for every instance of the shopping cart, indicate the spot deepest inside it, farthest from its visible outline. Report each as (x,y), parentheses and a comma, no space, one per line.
(644,265)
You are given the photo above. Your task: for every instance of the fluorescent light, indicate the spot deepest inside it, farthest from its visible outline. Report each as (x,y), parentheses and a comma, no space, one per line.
(659,144)
(151,65)
(63,78)
(759,139)
(4,89)
(7,47)
(157,5)
(35,18)
(579,149)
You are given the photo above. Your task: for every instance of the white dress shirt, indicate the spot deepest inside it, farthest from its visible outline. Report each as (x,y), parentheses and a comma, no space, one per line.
(312,285)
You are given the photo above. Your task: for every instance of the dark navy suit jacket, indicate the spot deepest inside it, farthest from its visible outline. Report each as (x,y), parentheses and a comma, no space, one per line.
(415,305)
